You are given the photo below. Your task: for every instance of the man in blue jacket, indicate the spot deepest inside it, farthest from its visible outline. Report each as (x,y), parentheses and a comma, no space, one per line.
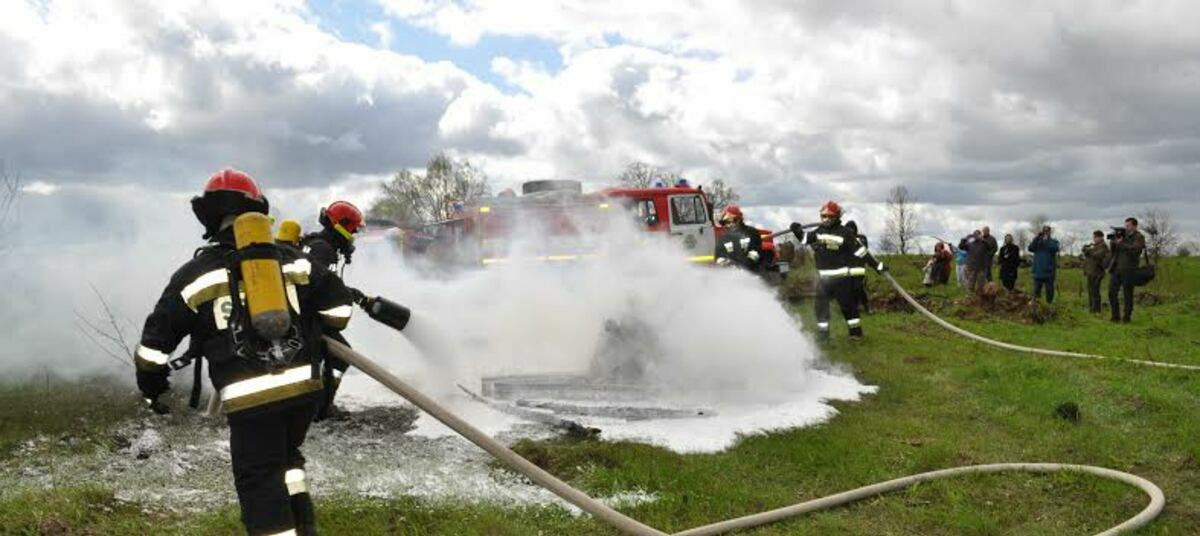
(1045,263)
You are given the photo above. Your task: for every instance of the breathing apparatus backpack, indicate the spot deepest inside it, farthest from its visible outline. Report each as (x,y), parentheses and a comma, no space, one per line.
(264,330)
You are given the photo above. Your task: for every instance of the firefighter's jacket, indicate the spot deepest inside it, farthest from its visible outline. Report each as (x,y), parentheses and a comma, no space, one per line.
(322,248)
(197,303)
(742,245)
(838,252)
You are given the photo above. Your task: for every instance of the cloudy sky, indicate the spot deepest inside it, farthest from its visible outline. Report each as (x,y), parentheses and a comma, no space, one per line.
(987,111)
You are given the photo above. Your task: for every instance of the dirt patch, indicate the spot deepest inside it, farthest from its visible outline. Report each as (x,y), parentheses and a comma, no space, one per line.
(1068,411)
(893,302)
(996,301)
(916,359)
(53,527)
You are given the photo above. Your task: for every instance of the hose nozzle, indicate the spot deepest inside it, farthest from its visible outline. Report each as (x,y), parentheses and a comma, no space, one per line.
(383,310)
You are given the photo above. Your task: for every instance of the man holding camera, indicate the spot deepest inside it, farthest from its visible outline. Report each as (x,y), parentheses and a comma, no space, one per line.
(1045,263)
(1096,258)
(1127,245)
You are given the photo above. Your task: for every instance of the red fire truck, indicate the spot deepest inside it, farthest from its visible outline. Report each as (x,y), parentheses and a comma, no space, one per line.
(555,221)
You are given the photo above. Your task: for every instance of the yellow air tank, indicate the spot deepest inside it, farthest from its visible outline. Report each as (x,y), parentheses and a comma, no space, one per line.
(262,279)
(289,232)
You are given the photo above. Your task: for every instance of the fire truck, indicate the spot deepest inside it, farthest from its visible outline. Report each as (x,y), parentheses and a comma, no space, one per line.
(555,221)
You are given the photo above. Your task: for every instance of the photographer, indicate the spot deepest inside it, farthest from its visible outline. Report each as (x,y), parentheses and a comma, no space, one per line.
(1045,263)
(1096,259)
(1126,244)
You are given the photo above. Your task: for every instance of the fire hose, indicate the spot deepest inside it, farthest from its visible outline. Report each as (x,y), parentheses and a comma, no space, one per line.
(1016,347)
(634,527)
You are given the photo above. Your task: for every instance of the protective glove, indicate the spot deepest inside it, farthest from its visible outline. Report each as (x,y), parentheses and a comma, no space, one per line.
(753,255)
(797,229)
(358,296)
(881,268)
(152,384)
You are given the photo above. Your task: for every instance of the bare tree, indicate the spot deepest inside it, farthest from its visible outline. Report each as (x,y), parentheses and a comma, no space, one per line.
(108,331)
(721,195)
(1161,235)
(888,245)
(902,227)
(412,199)
(1021,237)
(10,191)
(1067,242)
(1187,249)
(1037,222)
(643,175)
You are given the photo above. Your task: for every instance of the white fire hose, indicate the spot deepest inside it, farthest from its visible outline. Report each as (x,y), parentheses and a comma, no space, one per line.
(1015,347)
(634,527)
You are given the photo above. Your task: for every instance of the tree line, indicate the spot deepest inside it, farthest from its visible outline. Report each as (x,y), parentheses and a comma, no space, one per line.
(411,199)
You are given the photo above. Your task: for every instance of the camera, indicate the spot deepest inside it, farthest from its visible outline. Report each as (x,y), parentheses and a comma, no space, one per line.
(1117,234)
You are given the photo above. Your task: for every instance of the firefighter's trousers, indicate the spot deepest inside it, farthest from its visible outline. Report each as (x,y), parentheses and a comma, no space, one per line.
(268,469)
(844,291)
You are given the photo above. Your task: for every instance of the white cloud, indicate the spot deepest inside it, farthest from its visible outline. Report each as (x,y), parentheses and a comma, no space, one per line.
(1066,107)
(990,108)
(160,90)
(40,188)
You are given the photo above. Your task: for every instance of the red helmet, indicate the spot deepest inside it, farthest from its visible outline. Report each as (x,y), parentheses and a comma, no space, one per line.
(831,209)
(732,213)
(342,217)
(229,192)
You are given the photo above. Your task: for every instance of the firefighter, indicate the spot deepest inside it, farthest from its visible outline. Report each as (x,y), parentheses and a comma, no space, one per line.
(858,272)
(340,222)
(836,249)
(288,235)
(265,368)
(741,244)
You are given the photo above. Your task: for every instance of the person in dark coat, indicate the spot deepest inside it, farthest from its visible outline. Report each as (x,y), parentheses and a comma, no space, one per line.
(978,253)
(991,252)
(1010,260)
(1127,248)
(1045,263)
(939,265)
(1096,259)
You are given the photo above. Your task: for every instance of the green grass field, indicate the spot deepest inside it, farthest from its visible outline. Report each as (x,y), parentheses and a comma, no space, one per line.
(942,402)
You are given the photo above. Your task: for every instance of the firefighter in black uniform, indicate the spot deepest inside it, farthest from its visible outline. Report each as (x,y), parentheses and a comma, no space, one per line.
(269,388)
(340,221)
(835,250)
(741,245)
(858,271)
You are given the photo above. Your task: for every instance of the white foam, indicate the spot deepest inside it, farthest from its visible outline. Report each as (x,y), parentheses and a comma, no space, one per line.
(728,343)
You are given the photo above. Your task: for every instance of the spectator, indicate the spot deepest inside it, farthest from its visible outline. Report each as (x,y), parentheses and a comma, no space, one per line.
(977,255)
(1045,263)
(1010,260)
(1127,245)
(1096,259)
(992,248)
(960,265)
(938,267)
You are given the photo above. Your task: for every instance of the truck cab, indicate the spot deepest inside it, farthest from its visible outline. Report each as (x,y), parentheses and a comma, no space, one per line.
(682,213)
